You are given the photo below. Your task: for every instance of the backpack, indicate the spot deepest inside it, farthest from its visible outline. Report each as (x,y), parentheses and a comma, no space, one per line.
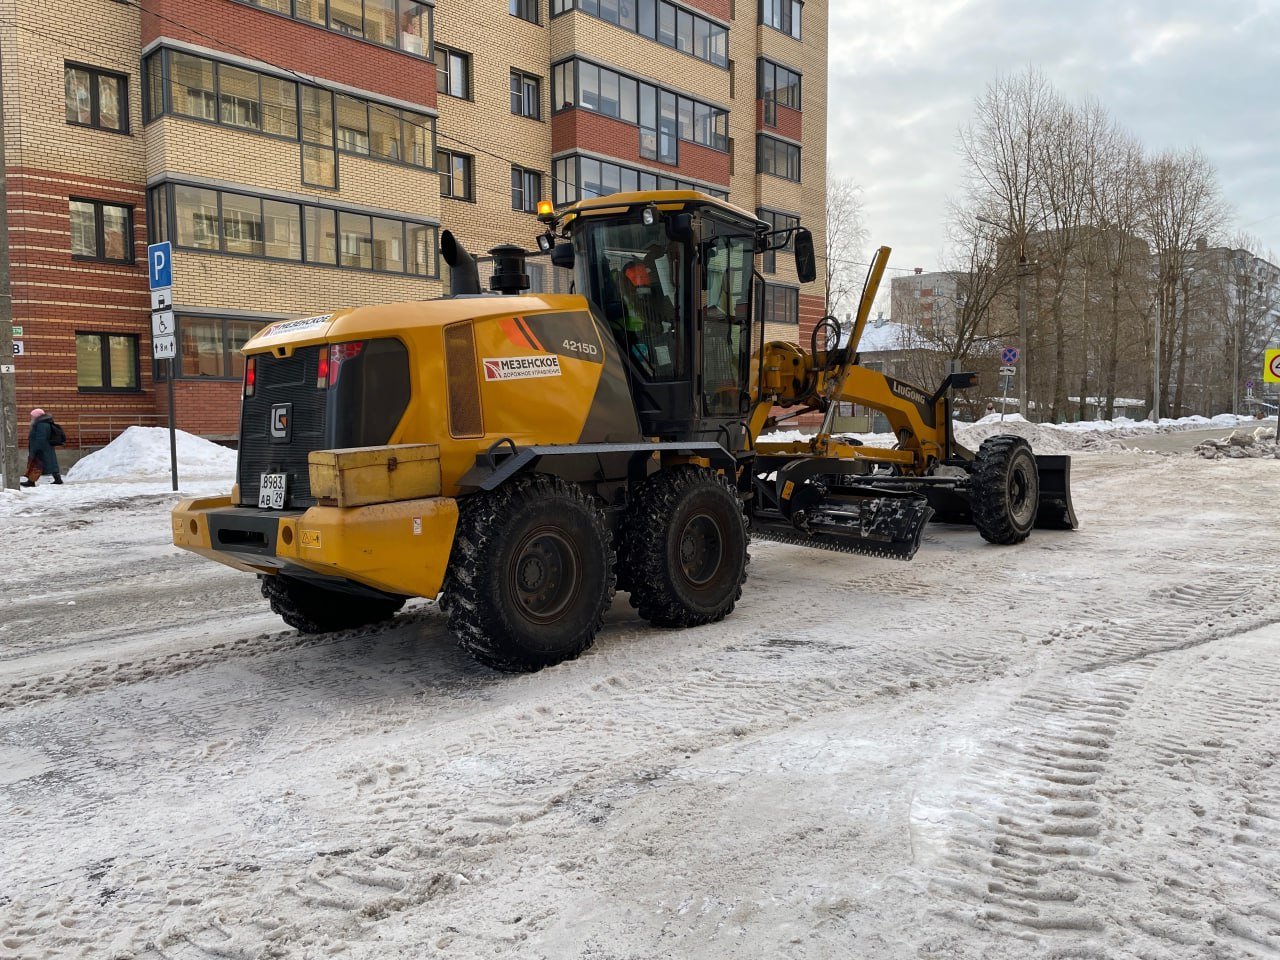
(57,436)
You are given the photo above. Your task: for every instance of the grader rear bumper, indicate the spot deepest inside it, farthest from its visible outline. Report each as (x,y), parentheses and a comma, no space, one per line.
(391,548)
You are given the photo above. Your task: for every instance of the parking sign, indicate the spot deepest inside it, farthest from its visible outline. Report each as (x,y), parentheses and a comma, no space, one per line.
(160,265)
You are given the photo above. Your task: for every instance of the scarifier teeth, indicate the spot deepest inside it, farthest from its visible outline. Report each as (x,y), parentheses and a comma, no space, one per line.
(864,548)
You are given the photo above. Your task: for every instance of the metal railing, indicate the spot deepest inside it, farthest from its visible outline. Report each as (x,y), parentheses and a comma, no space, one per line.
(94,430)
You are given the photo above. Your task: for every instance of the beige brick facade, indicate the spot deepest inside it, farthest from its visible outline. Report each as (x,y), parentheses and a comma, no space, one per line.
(66,304)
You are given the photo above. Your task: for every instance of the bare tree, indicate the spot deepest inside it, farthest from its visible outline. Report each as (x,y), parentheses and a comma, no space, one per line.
(846,233)
(977,319)
(1115,209)
(1003,150)
(1182,205)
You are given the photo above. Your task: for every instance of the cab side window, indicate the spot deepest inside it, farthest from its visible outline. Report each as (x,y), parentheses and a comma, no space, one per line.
(726,339)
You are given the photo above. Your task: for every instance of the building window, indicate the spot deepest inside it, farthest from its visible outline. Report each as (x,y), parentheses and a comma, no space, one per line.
(526,95)
(101,231)
(776,221)
(778,86)
(778,158)
(222,221)
(524,9)
(219,93)
(209,347)
(453,72)
(579,178)
(663,116)
(526,189)
(404,24)
(457,177)
(782,15)
(780,304)
(96,98)
(668,24)
(106,361)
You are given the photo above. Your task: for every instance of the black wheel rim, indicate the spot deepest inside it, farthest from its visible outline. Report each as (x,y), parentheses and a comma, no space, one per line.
(1022,494)
(545,573)
(701,549)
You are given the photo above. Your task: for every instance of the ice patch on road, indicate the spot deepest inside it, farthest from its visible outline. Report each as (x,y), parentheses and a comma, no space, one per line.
(142,453)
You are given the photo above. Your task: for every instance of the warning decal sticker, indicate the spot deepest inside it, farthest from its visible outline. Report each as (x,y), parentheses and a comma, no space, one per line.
(521,368)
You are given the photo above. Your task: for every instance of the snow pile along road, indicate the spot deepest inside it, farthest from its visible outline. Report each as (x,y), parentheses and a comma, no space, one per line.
(1242,444)
(142,453)
(1043,437)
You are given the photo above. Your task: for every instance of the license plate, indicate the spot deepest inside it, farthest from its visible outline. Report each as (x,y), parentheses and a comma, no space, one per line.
(272,491)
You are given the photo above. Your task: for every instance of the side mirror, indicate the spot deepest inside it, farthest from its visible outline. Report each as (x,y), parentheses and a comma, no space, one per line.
(806,262)
(680,227)
(562,255)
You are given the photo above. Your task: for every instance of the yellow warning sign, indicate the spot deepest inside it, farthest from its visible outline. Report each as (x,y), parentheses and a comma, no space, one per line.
(1271,367)
(311,538)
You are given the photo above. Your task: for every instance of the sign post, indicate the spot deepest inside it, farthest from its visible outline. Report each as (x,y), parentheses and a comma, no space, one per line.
(1008,358)
(164,338)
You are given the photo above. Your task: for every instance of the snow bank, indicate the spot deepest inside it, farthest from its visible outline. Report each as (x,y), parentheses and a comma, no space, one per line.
(1090,435)
(142,453)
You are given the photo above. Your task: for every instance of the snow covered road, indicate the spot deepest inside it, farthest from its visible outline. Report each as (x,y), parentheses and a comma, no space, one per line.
(1064,749)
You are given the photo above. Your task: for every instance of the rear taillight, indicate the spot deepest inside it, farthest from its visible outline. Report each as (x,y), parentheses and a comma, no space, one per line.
(322,372)
(250,376)
(340,353)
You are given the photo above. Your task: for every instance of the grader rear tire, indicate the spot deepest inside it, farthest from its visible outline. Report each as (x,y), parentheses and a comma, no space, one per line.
(684,548)
(1005,492)
(310,608)
(531,574)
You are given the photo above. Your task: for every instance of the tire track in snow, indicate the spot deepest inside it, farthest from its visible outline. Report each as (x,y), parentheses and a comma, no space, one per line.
(1036,863)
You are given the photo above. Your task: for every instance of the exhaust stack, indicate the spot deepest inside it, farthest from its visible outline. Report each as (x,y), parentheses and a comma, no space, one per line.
(464,276)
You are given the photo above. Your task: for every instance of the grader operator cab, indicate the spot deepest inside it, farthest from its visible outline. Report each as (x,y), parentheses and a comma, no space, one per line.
(521,456)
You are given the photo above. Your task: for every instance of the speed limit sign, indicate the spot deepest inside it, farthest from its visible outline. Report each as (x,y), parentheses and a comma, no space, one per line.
(1271,367)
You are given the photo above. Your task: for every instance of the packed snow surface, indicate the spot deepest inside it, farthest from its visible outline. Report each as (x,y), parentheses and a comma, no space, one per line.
(142,453)
(1064,749)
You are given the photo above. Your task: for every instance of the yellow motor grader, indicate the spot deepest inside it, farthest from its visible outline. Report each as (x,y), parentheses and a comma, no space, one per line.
(521,456)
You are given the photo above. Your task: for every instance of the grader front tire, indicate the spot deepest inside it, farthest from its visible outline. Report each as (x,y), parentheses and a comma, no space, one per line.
(1005,493)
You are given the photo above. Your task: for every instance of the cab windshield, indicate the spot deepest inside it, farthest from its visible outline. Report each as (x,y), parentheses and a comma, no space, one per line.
(636,275)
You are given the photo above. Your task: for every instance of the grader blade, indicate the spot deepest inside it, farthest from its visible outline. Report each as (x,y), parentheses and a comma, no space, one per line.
(886,527)
(1056,511)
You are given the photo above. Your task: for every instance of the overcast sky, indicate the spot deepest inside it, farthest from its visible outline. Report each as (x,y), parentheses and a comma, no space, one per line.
(904,76)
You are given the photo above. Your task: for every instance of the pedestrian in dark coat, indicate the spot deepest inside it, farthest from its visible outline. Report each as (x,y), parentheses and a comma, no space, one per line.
(40,448)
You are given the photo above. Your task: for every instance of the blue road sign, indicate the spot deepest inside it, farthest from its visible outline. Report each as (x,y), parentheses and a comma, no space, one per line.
(1010,355)
(160,265)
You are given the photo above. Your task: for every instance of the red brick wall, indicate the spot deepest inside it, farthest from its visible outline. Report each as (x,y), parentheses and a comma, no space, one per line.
(720,9)
(54,295)
(585,130)
(208,408)
(790,122)
(308,49)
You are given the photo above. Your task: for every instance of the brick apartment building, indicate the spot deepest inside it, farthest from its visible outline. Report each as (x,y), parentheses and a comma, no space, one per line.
(303,155)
